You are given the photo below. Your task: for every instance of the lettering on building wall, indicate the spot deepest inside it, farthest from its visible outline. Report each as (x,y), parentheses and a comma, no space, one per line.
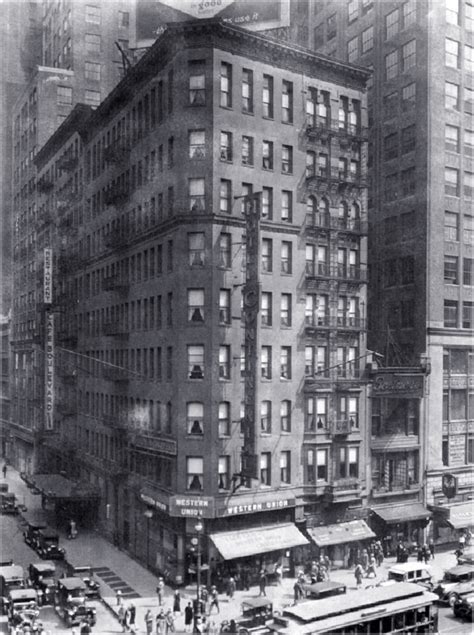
(49,372)
(192,506)
(48,276)
(398,385)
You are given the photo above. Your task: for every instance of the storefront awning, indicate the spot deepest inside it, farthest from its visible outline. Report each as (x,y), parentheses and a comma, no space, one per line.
(402,513)
(457,515)
(340,533)
(56,486)
(250,542)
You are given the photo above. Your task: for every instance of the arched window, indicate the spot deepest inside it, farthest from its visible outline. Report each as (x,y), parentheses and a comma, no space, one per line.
(324,206)
(354,212)
(342,214)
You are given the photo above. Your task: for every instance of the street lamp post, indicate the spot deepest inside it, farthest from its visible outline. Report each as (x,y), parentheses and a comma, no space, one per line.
(198,527)
(148,515)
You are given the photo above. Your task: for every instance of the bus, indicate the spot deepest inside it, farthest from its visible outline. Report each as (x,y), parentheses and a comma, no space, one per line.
(399,608)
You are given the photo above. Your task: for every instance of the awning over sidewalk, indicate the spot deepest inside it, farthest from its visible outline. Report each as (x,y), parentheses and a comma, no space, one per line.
(250,542)
(341,533)
(457,515)
(402,513)
(56,486)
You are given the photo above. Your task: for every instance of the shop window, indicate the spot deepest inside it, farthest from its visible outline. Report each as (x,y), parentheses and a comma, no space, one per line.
(194,473)
(195,417)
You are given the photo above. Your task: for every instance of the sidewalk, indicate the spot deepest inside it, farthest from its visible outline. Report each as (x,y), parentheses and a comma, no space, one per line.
(90,548)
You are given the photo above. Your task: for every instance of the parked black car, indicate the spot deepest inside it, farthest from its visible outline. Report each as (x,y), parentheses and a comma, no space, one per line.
(87,575)
(41,576)
(464,607)
(47,544)
(70,602)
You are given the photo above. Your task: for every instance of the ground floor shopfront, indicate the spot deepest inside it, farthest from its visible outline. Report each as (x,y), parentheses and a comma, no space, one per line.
(451,495)
(396,523)
(19,449)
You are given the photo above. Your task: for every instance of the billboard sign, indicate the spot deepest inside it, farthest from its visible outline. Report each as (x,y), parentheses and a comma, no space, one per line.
(49,372)
(48,276)
(153,15)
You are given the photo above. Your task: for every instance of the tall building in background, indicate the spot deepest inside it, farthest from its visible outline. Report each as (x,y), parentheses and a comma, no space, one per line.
(20,45)
(421,102)
(206,235)
(80,63)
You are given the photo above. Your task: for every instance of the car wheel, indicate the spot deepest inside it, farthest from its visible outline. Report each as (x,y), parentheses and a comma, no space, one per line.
(452,597)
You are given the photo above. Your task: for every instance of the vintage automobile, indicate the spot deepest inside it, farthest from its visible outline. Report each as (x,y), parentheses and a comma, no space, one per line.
(47,544)
(70,602)
(41,576)
(23,604)
(11,577)
(464,607)
(8,503)
(456,582)
(467,557)
(411,572)
(33,525)
(326,589)
(87,575)
(256,612)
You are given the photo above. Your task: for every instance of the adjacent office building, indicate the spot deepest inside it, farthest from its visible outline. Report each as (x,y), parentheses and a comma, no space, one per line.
(421,233)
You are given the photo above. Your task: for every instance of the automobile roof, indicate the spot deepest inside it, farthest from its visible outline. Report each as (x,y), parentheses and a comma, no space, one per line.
(72,583)
(23,594)
(48,532)
(410,566)
(461,569)
(43,567)
(12,571)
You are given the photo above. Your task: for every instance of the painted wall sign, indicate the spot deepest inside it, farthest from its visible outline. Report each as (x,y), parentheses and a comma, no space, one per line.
(48,276)
(150,500)
(241,507)
(398,385)
(195,506)
(49,372)
(257,15)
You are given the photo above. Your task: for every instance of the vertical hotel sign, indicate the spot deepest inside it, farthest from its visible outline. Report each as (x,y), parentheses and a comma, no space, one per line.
(251,305)
(49,371)
(49,341)
(48,276)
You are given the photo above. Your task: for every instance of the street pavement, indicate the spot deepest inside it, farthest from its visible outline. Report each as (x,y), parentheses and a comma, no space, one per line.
(116,569)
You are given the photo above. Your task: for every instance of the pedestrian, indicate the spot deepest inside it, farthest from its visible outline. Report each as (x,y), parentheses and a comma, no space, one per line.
(245,577)
(458,553)
(170,621)
(462,541)
(262,582)
(85,628)
(371,568)
(231,587)
(121,616)
(4,470)
(177,602)
(297,591)
(278,573)
(426,554)
(126,619)
(132,612)
(161,623)
(214,599)
(358,573)
(327,564)
(419,554)
(149,622)
(118,596)
(188,617)
(159,591)
(365,559)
